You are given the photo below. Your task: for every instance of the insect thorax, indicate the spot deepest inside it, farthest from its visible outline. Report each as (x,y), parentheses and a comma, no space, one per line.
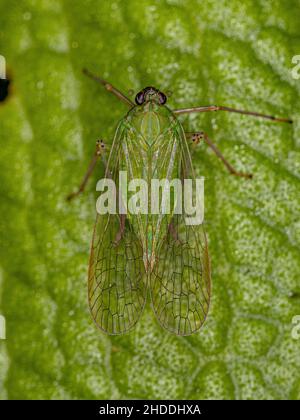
(150,149)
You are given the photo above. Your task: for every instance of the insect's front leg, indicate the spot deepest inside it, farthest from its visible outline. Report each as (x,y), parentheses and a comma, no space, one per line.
(99,150)
(200,135)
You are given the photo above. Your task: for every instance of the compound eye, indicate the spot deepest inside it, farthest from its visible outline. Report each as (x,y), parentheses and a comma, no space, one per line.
(140,98)
(162,98)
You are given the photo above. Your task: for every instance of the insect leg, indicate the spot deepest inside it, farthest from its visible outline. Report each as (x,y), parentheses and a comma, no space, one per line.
(98,152)
(120,233)
(225,108)
(172,230)
(109,87)
(200,135)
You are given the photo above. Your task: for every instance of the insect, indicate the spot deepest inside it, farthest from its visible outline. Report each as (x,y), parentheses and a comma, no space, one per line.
(156,254)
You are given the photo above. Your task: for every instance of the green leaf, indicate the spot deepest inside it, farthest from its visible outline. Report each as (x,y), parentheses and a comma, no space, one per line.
(214,52)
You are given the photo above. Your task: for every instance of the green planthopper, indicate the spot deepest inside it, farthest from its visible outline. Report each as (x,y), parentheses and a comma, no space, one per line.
(151,253)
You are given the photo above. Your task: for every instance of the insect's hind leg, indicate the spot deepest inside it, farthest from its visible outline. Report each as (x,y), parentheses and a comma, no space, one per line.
(173,231)
(100,147)
(109,87)
(121,231)
(200,135)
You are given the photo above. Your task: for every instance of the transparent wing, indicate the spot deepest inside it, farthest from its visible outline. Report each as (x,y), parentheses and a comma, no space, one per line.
(117,287)
(117,282)
(180,280)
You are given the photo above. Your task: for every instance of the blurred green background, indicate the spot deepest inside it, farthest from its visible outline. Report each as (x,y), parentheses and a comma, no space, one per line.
(235,53)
